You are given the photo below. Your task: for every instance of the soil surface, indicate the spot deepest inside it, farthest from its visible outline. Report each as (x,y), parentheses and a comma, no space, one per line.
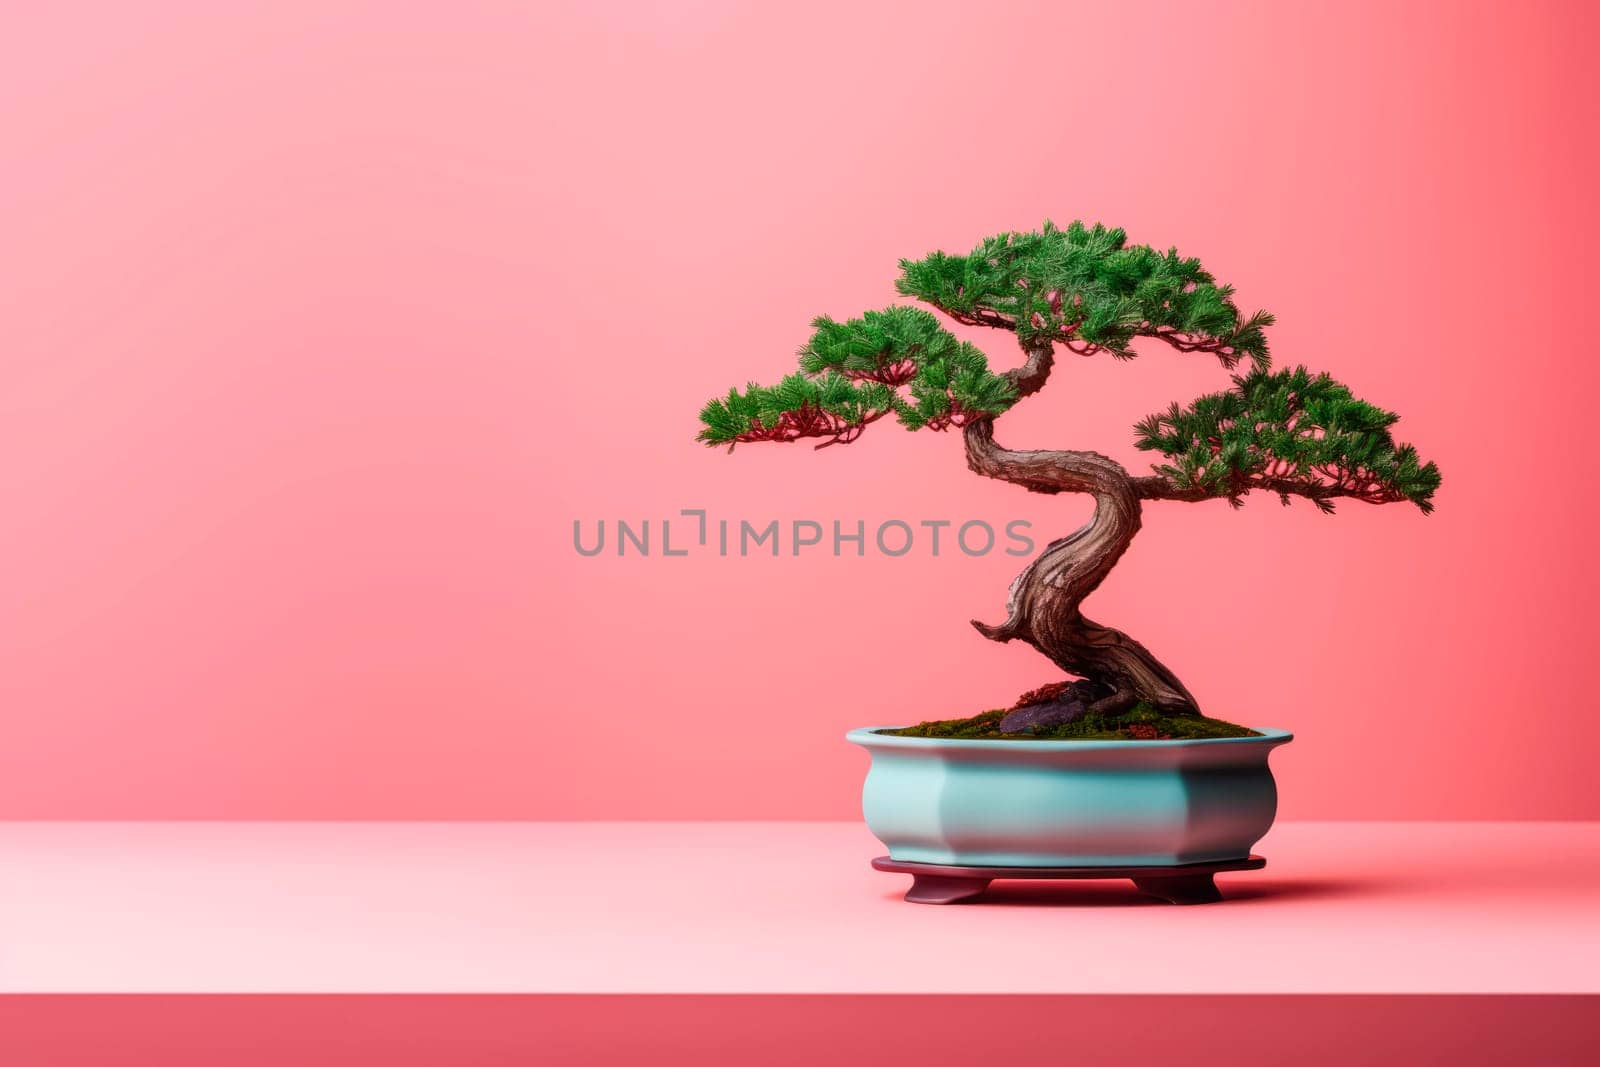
(1060,712)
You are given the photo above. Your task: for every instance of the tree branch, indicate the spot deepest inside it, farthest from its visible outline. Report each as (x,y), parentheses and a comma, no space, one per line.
(976,317)
(1031,376)
(1159,487)
(1215,346)
(1044,470)
(1043,606)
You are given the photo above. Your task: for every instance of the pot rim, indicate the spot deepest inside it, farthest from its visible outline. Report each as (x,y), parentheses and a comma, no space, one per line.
(869,737)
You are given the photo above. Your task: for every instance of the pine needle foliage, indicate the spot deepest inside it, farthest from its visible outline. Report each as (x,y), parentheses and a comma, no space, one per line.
(1290,432)
(798,406)
(1087,287)
(899,360)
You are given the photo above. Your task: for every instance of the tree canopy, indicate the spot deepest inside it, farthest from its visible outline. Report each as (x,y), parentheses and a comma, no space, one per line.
(1087,288)
(852,374)
(1293,433)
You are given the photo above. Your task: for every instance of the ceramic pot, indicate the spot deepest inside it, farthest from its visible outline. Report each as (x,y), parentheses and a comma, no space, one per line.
(1068,803)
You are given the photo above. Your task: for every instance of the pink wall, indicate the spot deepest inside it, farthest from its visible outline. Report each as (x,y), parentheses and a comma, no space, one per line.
(324,321)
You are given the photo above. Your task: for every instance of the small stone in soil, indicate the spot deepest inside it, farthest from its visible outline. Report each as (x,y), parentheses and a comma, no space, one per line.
(1037,717)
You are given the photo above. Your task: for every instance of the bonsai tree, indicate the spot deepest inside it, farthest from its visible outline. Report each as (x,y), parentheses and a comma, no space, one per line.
(1086,290)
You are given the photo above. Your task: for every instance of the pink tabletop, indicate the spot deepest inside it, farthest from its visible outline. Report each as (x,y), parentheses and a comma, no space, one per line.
(751,907)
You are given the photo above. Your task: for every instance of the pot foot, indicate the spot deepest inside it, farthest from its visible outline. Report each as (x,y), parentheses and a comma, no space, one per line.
(944,889)
(1181,889)
(1182,883)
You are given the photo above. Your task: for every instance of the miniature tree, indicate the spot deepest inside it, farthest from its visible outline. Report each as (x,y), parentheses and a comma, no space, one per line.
(1291,432)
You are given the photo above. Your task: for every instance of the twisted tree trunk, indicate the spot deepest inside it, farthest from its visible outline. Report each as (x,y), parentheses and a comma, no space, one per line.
(1043,606)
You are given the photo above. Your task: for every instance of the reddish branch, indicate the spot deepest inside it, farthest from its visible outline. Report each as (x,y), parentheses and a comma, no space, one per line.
(957,416)
(978,317)
(1184,342)
(890,374)
(1354,486)
(1067,334)
(808,420)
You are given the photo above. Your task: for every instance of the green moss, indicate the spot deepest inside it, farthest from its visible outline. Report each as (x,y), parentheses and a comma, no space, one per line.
(1142,722)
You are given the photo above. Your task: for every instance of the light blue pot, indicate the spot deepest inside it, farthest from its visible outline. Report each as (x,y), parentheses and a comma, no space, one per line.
(1068,803)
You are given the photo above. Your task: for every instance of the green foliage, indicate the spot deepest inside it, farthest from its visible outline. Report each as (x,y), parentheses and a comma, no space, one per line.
(772,413)
(853,372)
(876,342)
(956,385)
(1086,286)
(1141,722)
(1290,432)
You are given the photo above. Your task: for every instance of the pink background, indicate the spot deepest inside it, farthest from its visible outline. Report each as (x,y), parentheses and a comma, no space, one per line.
(324,321)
